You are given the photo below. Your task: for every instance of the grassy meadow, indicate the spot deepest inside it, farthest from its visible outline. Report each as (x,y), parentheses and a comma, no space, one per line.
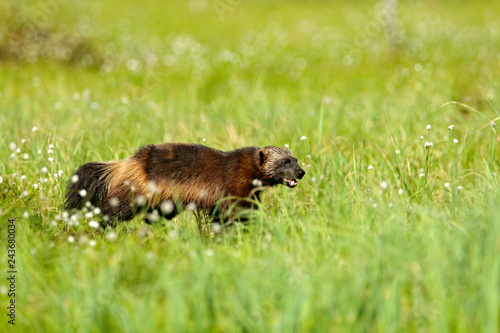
(394,228)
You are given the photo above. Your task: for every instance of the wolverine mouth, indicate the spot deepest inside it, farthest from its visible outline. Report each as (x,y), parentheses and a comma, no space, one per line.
(290,182)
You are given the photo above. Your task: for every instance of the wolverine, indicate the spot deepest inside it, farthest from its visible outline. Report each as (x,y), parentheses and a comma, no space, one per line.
(167,178)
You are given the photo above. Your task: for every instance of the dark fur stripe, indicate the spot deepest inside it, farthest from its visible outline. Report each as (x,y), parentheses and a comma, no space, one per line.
(91,178)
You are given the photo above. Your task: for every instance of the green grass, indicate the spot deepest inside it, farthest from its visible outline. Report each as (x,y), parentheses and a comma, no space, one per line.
(350,249)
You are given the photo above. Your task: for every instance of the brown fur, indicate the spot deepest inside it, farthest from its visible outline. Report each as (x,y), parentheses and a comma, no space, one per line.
(182,174)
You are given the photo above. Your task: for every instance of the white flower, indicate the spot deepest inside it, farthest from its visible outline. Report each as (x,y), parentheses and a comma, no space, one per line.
(460,188)
(92,242)
(113,202)
(216,227)
(428,144)
(428,127)
(34,129)
(1,179)
(44,170)
(451,127)
(39,152)
(400,191)
(446,185)
(60,173)
(12,146)
(82,193)
(303,138)
(50,159)
(26,215)
(74,179)
(71,239)
(23,177)
(204,140)
(140,200)
(53,223)
(421,138)
(287,146)
(111,236)
(51,146)
(422,175)
(398,152)
(370,167)
(35,185)
(94,224)
(455,141)
(23,141)
(167,207)
(493,124)
(191,206)
(384,185)
(18,150)
(256,182)
(97,211)
(89,215)
(26,156)
(50,151)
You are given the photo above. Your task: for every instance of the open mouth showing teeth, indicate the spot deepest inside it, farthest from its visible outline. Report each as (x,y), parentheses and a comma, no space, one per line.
(290,182)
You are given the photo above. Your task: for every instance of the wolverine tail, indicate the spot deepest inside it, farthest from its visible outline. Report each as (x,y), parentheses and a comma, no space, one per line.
(91,183)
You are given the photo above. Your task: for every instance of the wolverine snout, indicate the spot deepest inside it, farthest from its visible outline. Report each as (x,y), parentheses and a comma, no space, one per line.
(300,174)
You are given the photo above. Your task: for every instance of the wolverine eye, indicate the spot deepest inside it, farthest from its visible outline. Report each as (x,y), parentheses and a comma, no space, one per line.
(284,162)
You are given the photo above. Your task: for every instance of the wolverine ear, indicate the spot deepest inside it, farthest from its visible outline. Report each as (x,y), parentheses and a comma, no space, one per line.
(262,156)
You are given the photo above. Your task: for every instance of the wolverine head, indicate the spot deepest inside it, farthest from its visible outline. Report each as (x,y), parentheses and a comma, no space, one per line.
(279,166)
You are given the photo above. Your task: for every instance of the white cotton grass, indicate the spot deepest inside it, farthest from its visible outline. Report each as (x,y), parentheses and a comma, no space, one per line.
(303,138)
(94,224)
(447,185)
(12,146)
(114,202)
(429,127)
(82,193)
(455,141)
(34,129)
(428,145)
(111,236)
(44,170)
(398,151)
(451,127)
(384,185)
(370,167)
(167,207)
(257,182)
